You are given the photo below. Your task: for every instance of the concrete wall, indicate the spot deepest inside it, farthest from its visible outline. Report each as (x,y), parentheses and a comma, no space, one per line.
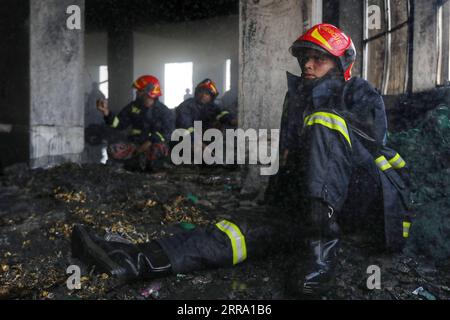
(56,84)
(206,43)
(267,30)
(120,67)
(96,55)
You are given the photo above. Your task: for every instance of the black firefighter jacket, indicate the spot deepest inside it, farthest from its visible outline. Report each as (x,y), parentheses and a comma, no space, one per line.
(363,109)
(255,234)
(210,114)
(154,124)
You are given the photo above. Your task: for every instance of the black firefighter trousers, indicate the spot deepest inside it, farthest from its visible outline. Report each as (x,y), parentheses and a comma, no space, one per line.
(332,164)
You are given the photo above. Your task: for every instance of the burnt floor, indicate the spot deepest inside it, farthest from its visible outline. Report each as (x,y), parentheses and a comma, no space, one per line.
(38,209)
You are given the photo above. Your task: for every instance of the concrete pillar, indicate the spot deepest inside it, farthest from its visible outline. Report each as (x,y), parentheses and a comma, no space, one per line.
(267,30)
(425,57)
(43,97)
(351,21)
(56,79)
(120,67)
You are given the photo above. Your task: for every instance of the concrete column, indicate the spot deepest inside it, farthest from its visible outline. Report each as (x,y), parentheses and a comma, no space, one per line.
(425,57)
(56,84)
(267,30)
(43,95)
(120,67)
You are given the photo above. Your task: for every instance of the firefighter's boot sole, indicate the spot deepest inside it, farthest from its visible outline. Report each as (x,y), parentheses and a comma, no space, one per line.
(88,251)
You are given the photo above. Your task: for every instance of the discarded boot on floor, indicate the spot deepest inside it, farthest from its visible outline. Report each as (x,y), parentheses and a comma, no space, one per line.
(127,262)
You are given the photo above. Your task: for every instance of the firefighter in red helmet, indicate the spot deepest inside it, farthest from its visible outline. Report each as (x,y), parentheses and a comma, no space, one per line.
(338,172)
(331,41)
(151,125)
(148,85)
(202,108)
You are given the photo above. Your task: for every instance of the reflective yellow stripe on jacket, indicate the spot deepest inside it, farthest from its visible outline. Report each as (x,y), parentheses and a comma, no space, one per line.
(161,137)
(383,164)
(397,162)
(136,132)
(222,114)
(237,240)
(136,110)
(115,123)
(331,121)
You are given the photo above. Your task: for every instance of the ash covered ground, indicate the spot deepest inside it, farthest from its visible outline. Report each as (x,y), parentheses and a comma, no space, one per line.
(39,207)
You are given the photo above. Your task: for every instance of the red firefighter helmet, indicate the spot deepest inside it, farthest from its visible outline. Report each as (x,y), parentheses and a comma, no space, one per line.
(331,40)
(150,85)
(209,86)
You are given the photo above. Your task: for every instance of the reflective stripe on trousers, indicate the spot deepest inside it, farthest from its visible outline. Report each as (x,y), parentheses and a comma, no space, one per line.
(406,227)
(237,240)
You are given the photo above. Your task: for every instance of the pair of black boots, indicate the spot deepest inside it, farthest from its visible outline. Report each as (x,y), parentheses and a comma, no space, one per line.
(311,270)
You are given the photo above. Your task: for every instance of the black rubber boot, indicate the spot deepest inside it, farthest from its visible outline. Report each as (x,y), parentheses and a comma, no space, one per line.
(314,267)
(124,261)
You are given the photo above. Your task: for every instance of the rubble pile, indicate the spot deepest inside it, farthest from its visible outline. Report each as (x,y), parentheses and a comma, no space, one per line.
(39,207)
(426,148)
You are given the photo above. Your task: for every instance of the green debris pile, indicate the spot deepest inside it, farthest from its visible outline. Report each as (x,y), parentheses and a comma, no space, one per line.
(426,149)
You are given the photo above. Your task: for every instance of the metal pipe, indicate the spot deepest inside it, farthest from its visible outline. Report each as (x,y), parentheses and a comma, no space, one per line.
(439,45)
(387,48)
(412,10)
(365,55)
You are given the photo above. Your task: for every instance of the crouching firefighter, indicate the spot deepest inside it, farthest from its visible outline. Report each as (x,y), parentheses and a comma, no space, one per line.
(337,170)
(151,124)
(202,107)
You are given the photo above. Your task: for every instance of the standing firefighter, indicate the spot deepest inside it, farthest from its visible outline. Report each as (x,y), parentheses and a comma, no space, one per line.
(337,169)
(151,125)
